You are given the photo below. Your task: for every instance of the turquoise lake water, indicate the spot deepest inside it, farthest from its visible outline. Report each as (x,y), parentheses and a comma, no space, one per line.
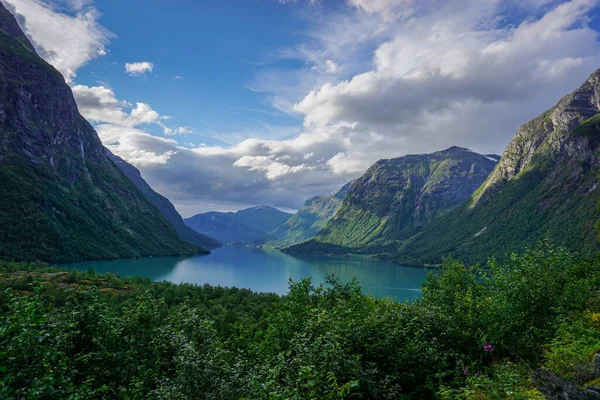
(268,271)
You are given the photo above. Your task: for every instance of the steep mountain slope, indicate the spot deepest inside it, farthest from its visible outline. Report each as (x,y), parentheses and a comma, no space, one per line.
(165,207)
(395,196)
(61,197)
(545,186)
(308,221)
(242,226)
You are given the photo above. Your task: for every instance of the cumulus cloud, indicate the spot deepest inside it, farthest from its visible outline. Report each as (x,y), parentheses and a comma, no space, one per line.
(99,104)
(139,68)
(378,79)
(66,40)
(195,178)
(436,76)
(452,66)
(210,177)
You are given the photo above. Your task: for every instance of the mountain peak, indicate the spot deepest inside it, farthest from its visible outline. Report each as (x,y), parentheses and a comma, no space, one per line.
(456,149)
(396,196)
(262,207)
(544,135)
(9,25)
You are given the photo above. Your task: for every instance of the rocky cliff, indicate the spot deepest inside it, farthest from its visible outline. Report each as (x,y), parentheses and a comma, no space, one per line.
(396,196)
(61,196)
(545,186)
(165,207)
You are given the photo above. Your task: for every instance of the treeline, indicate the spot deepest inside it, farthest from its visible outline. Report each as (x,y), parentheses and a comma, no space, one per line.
(477,333)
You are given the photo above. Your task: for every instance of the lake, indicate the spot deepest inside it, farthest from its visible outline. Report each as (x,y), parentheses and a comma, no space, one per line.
(264,270)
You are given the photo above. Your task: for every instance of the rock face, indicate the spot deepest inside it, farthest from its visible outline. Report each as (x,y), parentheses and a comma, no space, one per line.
(545,186)
(396,196)
(554,387)
(62,197)
(308,221)
(165,207)
(242,226)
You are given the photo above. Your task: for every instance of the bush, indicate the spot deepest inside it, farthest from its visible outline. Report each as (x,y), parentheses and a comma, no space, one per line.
(477,333)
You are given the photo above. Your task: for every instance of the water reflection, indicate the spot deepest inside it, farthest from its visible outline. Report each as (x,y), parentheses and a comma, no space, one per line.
(268,271)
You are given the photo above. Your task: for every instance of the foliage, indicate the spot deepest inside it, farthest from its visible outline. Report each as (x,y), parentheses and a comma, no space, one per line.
(477,333)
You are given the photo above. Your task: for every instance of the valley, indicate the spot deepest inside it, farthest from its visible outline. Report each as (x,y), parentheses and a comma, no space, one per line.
(362,241)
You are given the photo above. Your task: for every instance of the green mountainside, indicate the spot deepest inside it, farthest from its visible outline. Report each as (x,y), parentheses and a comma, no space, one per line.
(308,221)
(62,197)
(545,186)
(246,225)
(165,207)
(395,196)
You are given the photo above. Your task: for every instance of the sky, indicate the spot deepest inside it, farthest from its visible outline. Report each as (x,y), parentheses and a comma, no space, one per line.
(227,104)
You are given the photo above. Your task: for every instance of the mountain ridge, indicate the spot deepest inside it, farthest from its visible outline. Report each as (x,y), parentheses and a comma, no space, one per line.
(165,206)
(63,199)
(545,187)
(247,225)
(310,219)
(395,195)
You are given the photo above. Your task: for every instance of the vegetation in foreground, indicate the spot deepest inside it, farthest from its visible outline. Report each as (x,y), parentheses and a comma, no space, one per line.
(477,333)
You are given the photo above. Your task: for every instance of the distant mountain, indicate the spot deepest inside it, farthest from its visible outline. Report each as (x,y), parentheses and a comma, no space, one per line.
(395,196)
(242,226)
(165,207)
(308,221)
(62,198)
(545,186)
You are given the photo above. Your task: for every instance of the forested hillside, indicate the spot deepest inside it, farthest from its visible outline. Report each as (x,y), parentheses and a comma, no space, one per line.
(61,196)
(165,207)
(396,196)
(310,219)
(545,186)
(476,334)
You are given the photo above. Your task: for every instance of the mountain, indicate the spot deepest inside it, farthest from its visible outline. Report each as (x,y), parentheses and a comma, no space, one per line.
(544,187)
(62,198)
(395,196)
(308,221)
(165,207)
(242,226)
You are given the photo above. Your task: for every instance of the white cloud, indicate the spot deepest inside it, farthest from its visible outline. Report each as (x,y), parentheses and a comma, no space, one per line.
(66,41)
(389,9)
(184,130)
(99,104)
(438,63)
(270,166)
(331,67)
(139,68)
(181,130)
(143,114)
(445,75)
(379,79)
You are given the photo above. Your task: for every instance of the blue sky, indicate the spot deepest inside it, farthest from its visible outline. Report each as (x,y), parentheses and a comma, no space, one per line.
(228,104)
(216,48)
